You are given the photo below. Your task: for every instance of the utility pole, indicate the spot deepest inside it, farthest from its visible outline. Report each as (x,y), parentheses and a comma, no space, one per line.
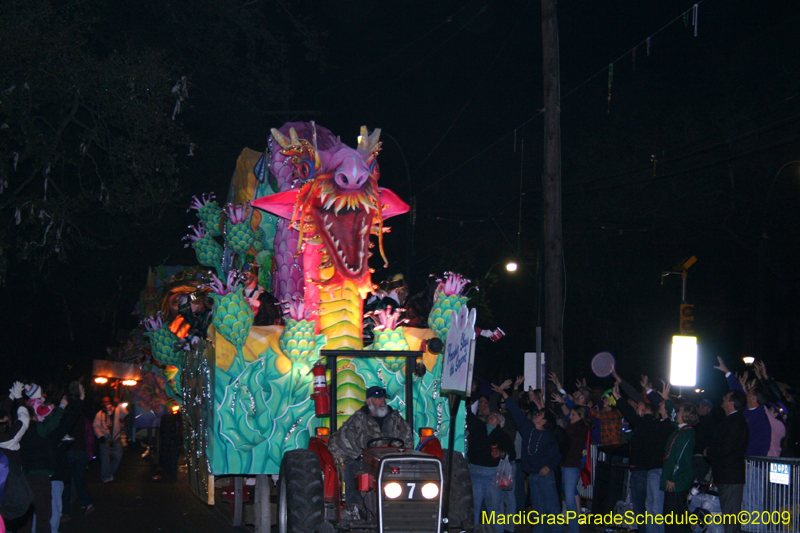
(553,242)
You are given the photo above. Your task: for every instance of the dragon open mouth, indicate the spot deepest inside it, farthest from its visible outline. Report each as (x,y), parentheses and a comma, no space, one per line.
(345,235)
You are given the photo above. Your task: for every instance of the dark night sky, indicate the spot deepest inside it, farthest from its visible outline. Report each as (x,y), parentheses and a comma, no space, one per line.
(457,85)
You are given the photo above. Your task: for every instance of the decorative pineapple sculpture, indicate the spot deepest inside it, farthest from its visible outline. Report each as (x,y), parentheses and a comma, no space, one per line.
(209,212)
(162,341)
(448,298)
(389,335)
(299,338)
(239,236)
(233,316)
(162,346)
(209,252)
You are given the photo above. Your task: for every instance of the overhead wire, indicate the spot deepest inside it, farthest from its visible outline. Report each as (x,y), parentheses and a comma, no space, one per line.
(541,111)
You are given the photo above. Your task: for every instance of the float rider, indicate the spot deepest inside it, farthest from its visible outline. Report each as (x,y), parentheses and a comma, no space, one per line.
(375,420)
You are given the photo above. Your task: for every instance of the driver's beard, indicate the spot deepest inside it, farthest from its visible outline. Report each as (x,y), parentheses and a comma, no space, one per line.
(378,411)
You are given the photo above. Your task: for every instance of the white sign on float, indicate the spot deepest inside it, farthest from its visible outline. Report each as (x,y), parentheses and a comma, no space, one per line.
(459,353)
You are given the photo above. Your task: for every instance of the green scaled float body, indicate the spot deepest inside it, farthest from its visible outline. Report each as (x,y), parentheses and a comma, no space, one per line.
(240,237)
(211,216)
(233,317)
(439,317)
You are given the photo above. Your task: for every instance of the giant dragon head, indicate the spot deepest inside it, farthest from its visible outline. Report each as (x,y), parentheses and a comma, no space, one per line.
(335,203)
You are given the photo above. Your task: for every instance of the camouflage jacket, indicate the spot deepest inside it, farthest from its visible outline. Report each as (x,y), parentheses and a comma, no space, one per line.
(352,437)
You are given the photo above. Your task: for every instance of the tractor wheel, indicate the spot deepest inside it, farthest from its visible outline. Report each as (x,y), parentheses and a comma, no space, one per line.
(300,494)
(461,513)
(325,527)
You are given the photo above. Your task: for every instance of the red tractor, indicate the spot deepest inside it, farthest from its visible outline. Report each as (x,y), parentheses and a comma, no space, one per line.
(401,487)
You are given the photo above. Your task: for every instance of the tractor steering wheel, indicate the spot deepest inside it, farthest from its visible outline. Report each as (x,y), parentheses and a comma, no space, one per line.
(392,442)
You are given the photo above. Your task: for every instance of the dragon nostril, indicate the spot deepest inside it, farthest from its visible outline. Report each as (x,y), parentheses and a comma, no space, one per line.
(341,179)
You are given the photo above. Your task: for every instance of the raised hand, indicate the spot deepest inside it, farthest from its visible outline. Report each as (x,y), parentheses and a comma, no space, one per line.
(519,381)
(556,398)
(665,391)
(580,383)
(743,379)
(722,367)
(15,392)
(536,398)
(499,390)
(554,378)
(82,394)
(616,376)
(615,391)
(506,384)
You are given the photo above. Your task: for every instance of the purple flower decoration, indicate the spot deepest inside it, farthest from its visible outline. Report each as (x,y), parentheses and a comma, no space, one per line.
(387,319)
(153,323)
(199,233)
(218,287)
(296,309)
(238,213)
(199,204)
(453,284)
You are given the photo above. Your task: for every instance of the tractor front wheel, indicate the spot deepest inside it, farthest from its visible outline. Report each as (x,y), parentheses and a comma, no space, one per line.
(461,513)
(301,504)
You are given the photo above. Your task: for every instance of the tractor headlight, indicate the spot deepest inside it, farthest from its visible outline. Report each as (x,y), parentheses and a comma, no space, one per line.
(430,491)
(392,490)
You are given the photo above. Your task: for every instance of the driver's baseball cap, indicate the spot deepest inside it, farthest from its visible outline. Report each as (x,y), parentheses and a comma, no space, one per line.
(376,392)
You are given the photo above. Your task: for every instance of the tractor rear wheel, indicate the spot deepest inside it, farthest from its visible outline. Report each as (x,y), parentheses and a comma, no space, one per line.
(461,513)
(301,505)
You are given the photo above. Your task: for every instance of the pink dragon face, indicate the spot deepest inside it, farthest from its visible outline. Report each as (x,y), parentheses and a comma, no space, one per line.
(343,204)
(338,203)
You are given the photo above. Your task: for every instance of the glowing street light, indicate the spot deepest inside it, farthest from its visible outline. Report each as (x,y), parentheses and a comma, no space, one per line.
(749,359)
(683,368)
(511,266)
(101,380)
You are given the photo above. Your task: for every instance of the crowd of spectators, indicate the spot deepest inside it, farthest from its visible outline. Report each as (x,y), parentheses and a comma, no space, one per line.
(669,443)
(47,438)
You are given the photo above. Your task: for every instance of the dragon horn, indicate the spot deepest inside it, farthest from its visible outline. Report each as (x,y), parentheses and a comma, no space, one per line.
(281,139)
(367,142)
(363,138)
(295,138)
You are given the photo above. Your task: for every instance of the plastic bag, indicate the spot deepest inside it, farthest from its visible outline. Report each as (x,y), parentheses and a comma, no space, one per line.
(504,478)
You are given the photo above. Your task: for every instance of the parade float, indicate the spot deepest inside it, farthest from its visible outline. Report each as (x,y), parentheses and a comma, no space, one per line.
(308,212)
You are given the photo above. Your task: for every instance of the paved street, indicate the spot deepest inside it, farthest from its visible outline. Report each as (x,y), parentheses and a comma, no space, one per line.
(133,503)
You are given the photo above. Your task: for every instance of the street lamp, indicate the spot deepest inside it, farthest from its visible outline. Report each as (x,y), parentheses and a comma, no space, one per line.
(749,360)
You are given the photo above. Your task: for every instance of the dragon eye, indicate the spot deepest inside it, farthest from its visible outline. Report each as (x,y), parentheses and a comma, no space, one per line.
(304,170)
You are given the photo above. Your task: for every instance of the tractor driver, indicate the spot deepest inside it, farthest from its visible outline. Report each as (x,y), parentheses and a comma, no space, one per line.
(374,420)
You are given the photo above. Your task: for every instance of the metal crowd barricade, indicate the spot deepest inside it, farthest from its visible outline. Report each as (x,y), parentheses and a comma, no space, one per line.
(772,488)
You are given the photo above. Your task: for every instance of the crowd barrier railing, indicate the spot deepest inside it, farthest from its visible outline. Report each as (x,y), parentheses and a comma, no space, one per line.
(772,495)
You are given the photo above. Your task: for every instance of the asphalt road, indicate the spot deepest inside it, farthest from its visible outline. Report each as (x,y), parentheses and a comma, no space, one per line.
(133,503)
